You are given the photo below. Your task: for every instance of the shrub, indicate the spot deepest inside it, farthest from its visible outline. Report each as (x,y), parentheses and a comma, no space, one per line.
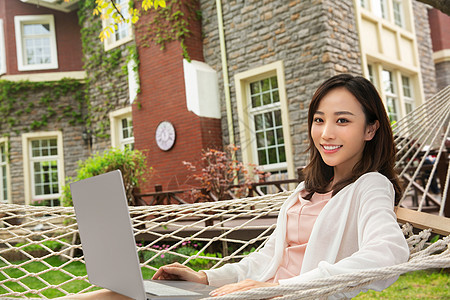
(221,173)
(130,162)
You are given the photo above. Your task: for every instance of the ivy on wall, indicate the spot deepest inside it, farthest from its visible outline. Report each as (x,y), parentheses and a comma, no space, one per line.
(104,68)
(168,24)
(16,102)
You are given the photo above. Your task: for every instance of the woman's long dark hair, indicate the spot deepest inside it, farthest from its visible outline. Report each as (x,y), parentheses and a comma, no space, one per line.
(378,154)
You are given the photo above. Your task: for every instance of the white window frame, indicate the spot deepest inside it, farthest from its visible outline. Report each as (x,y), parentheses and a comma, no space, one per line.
(7,175)
(19,21)
(27,138)
(111,41)
(401,13)
(384,9)
(400,98)
(2,49)
(261,110)
(115,117)
(408,100)
(246,123)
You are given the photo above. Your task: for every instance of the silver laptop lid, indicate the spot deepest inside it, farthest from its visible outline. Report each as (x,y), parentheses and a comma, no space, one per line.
(106,234)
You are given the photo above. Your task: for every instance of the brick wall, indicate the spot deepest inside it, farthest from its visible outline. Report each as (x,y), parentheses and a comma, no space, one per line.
(439,24)
(67,36)
(163,98)
(314,39)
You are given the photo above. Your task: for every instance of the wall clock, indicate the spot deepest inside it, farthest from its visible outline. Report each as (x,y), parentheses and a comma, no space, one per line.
(165,135)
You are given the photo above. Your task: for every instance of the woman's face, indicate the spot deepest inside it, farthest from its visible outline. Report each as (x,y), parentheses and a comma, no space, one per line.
(339,131)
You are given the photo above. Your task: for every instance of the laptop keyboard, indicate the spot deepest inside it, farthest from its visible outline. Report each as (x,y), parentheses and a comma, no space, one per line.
(159,289)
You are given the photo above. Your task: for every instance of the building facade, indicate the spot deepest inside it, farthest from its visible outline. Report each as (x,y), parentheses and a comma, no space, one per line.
(244,75)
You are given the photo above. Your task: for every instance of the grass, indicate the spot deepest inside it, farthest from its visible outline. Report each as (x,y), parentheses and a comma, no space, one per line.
(427,284)
(430,284)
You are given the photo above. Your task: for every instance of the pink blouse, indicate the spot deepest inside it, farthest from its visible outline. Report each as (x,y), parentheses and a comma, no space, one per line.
(300,220)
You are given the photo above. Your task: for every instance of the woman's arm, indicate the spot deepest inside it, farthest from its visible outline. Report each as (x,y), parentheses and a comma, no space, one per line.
(377,238)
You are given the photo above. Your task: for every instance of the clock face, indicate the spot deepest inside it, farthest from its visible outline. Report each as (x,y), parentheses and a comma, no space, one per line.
(165,135)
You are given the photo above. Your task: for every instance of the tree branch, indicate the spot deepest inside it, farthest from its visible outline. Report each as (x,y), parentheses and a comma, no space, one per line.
(442,5)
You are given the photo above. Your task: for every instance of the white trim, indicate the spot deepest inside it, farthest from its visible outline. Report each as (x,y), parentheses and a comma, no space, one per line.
(8,171)
(2,49)
(242,81)
(63,6)
(36,19)
(51,76)
(441,56)
(115,117)
(26,139)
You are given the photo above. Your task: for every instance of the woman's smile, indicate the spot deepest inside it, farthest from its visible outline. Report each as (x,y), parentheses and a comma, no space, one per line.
(331,148)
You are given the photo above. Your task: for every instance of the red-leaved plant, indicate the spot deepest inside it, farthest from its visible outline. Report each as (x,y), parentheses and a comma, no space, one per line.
(222,176)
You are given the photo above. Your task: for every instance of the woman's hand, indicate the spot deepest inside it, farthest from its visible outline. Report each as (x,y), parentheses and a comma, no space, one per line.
(177,271)
(244,285)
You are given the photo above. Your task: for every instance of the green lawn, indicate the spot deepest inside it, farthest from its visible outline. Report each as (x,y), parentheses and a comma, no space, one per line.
(429,284)
(416,285)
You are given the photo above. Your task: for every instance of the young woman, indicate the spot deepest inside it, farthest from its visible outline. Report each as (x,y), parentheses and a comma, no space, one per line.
(341,218)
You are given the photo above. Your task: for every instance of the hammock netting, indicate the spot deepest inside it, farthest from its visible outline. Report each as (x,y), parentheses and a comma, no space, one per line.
(37,242)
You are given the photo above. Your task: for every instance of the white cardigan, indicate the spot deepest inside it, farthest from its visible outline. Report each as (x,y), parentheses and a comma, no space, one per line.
(357,229)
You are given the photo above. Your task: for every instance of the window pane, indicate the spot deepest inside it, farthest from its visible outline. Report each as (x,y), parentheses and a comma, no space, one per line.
(262,160)
(255,88)
(278,121)
(280,138)
(274,82)
(282,154)
(266,99)
(406,86)
(398,12)
(268,120)
(260,140)
(256,100)
(273,155)
(265,84)
(259,122)
(270,138)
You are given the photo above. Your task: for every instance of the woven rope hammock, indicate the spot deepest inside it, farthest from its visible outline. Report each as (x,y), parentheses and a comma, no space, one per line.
(32,238)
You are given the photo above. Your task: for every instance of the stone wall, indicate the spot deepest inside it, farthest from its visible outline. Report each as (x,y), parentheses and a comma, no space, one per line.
(314,39)
(107,82)
(443,72)
(423,36)
(62,120)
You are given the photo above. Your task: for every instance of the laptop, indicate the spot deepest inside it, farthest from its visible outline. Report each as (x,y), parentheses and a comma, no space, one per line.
(109,245)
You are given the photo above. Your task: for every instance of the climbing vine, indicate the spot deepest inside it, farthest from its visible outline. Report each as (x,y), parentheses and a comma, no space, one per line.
(18,102)
(168,24)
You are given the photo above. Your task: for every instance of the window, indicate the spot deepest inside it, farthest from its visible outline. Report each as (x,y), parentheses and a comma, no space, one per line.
(36,42)
(4,173)
(126,133)
(363,3)
(407,94)
(379,8)
(398,12)
(122,129)
(396,88)
(2,50)
(264,120)
(43,162)
(391,95)
(122,31)
(390,10)
(268,127)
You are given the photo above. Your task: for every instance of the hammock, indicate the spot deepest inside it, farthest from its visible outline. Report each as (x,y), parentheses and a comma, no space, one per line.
(33,238)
